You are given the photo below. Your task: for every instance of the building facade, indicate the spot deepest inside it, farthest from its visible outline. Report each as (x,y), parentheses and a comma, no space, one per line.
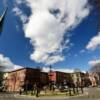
(44,78)
(79,78)
(23,78)
(59,78)
(94,78)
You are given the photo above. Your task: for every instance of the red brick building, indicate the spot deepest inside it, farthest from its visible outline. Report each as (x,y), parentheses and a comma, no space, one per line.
(44,78)
(23,78)
(59,77)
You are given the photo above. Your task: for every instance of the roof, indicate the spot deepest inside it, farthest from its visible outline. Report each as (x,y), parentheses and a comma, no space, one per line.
(22,69)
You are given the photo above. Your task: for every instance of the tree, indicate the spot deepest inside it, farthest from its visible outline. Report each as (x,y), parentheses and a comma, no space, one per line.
(1,80)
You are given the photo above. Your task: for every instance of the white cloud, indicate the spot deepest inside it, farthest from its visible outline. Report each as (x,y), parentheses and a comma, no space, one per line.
(94,43)
(66,70)
(6,64)
(94,62)
(47,25)
(19,1)
(18,12)
(47,69)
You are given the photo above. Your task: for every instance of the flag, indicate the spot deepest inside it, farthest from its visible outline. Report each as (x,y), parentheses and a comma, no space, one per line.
(2,17)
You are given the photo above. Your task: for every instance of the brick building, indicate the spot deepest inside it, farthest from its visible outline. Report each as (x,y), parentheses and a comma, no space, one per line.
(23,78)
(44,78)
(59,77)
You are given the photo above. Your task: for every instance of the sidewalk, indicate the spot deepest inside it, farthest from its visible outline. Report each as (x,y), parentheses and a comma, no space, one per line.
(51,97)
(59,97)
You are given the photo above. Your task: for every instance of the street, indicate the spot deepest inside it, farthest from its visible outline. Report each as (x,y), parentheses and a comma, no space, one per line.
(90,94)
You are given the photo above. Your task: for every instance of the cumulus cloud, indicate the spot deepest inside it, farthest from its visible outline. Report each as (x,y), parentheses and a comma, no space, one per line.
(94,62)
(50,20)
(6,64)
(94,43)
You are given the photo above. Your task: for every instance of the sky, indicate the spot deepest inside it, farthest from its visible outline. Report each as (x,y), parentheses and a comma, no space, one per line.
(40,33)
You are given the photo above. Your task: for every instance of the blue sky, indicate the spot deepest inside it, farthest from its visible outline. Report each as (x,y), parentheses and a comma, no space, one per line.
(15,45)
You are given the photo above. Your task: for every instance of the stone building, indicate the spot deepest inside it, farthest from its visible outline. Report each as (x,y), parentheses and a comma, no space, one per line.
(92,79)
(78,78)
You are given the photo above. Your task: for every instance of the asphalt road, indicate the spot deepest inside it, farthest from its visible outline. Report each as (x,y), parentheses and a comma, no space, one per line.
(90,94)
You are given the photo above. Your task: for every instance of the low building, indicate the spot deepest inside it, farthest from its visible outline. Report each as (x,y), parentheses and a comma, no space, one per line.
(87,81)
(59,78)
(78,78)
(92,79)
(23,78)
(97,77)
(44,78)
